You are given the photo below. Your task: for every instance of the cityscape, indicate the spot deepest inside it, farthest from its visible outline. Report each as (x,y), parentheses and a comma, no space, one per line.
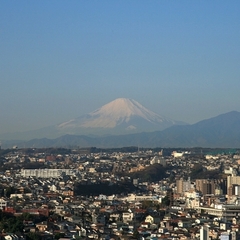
(119,120)
(128,193)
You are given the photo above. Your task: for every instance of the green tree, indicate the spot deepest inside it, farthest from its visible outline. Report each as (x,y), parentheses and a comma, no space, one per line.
(166,201)
(146,204)
(26,216)
(33,236)
(9,191)
(136,234)
(59,235)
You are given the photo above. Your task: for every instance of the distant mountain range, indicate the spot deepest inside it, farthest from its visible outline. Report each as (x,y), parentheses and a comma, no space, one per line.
(222,131)
(121,116)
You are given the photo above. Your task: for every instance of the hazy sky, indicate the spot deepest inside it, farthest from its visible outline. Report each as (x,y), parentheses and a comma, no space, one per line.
(61,59)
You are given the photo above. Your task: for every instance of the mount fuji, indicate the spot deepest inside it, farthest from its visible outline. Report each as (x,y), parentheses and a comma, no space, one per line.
(121,116)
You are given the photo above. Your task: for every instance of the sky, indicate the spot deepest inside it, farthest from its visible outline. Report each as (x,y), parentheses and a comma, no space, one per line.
(62,59)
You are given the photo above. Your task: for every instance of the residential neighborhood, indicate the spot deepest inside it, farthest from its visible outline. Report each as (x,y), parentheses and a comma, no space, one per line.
(79,194)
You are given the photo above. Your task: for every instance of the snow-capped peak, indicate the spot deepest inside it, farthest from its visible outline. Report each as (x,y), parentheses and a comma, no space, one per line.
(122,113)
(124,108)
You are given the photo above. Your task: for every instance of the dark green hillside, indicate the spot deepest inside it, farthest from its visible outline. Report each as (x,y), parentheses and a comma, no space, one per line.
(103,188)
(152,173)
(199,172)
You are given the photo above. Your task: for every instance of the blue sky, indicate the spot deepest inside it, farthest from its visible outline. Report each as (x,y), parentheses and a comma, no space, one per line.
(61,59)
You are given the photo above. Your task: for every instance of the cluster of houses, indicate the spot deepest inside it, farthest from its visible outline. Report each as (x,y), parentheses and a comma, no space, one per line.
(175,207)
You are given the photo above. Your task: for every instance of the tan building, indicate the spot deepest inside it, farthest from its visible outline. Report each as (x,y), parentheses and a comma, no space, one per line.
(233,180)
(211,186)
(183,185)
(205,186)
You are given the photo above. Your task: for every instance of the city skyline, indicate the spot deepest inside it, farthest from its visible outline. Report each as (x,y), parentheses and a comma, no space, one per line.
(60,60)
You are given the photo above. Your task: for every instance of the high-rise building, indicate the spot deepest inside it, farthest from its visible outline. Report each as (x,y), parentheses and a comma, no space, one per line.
(170,196)
(211,186)
(183,186)
(205,186)
(233,180)
(204,233)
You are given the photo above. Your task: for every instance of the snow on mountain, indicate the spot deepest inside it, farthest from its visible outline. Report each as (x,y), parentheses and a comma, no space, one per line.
(119,117)
(122,114)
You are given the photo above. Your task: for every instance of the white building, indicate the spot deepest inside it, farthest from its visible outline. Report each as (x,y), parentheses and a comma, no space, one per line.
(11,237)
(176,154)
(222,211)
(211,157)
(47,173)
(159,160)
(228,236)
(230,171)
(3,203)
(127,216)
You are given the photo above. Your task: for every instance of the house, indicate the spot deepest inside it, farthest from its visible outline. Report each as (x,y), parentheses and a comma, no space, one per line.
(3,204)
(184,223)
(127,216)
(149,219)
(11,237)
(42,226)
(114,217)
(101,218)
(162,230)
(59,209)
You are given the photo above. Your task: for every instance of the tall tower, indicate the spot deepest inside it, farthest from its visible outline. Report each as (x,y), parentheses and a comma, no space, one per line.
(204,233)
(170,196)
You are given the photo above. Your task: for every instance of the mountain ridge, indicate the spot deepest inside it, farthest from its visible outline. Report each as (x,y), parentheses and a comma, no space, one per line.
(220,131)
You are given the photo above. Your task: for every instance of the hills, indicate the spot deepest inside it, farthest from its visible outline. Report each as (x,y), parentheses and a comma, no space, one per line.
(222,131)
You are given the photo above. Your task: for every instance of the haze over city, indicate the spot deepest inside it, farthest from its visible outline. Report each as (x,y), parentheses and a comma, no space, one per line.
(62,59)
